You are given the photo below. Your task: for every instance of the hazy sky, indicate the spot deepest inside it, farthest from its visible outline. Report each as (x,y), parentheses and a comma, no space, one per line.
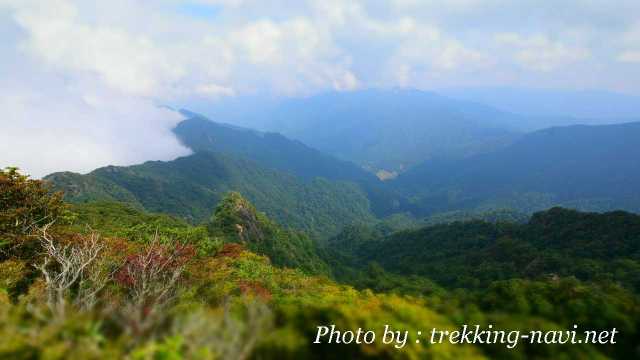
(80,81)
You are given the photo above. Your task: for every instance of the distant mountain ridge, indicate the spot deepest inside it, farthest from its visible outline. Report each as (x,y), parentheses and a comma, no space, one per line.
(392,130)
(267,148)
(388,130)
(395,129)
(554,107)
(586,167)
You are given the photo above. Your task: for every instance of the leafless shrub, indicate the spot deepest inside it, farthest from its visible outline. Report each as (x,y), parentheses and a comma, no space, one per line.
(66,266)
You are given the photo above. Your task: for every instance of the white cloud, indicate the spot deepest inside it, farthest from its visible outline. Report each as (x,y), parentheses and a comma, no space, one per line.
(167,58)
(127,62)
(213,90)
(87,95)
(347,82)
(539,53)
(629,57)
(152,49)
(261,42)
(53,128)
(425,53)
(631,42)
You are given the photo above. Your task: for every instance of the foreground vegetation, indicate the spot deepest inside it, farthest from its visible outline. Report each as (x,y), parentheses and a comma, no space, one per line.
(107,280)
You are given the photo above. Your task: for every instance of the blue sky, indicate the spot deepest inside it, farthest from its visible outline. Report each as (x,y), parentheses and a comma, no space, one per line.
(199,10)
(75,67)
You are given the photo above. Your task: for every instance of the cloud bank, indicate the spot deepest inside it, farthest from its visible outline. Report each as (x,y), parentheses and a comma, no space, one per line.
(81,81)
(55,126)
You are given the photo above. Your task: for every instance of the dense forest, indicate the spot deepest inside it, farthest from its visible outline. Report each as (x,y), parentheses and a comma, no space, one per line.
(107,279)
(472,254)
(191,186)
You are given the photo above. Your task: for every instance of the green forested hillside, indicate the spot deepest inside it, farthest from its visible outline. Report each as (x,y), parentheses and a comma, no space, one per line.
(191,186)
(270,150)
(274,151)
(592,168)
(156,289)
(562,267)
(554,243)
(235,220)
(224,300)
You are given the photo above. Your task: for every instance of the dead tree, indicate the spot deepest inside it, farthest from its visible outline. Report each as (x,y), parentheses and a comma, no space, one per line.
(65,266)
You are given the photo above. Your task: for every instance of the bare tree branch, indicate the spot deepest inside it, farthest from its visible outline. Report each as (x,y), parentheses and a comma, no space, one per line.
(64,266)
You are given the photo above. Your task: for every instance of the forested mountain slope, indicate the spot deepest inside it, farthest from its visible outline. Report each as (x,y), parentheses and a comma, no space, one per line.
(199,301)
(191,186)
(268,149)
(554,243)
(563,267)
(586,167)
(274,151)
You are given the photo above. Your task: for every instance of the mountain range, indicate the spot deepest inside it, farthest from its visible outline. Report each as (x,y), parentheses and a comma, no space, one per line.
(554,107)
(388,131)
(455,238)
(583,167)
(383,130)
